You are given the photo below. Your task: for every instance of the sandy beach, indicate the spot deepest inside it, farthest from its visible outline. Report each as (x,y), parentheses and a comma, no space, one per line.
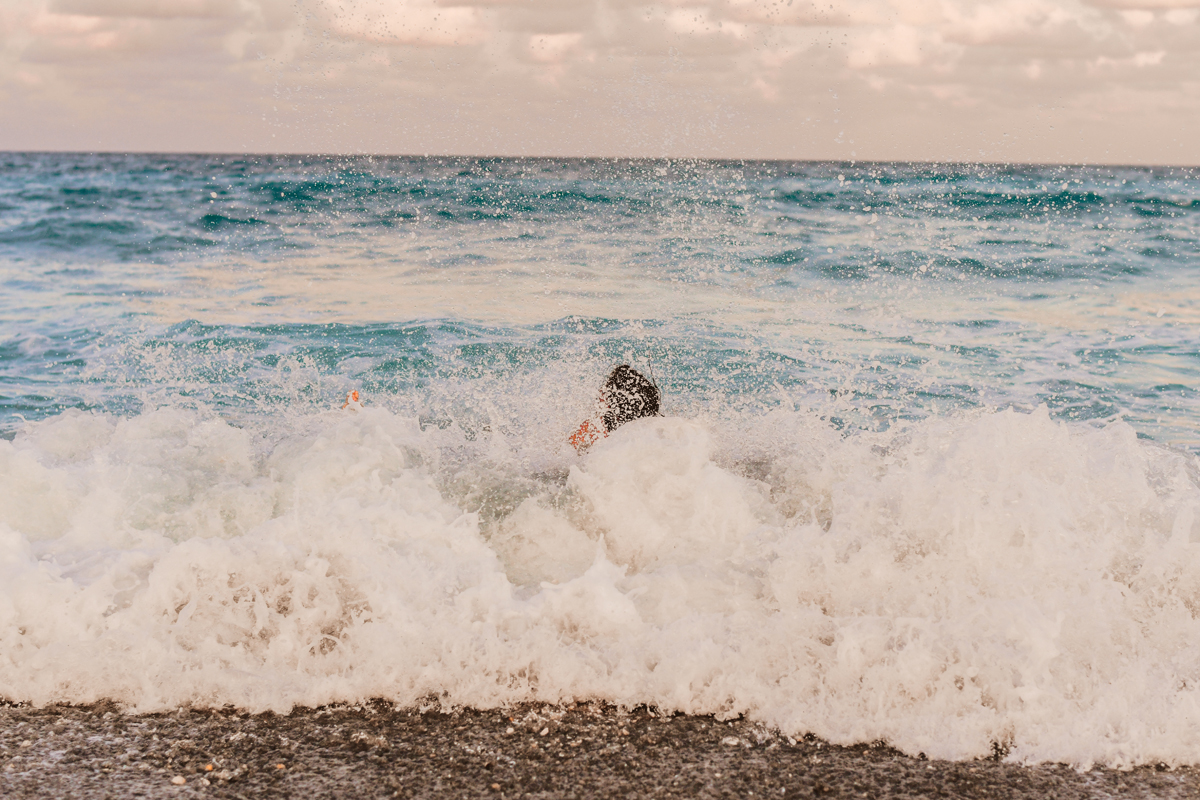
(585,750)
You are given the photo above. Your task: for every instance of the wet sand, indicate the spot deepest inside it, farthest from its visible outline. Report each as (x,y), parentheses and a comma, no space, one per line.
(585,750)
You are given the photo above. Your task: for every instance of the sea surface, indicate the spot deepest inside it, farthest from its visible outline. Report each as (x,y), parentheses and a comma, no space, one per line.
(927,471)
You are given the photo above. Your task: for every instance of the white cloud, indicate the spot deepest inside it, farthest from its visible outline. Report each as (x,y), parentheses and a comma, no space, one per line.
(814,14)
(1137,60)
(900,45)
(416,22)
(553,48)
(708,77)
(152,9)
(1012,20)
(1138,18)
(1182,16)
(1145,4)
(699,22)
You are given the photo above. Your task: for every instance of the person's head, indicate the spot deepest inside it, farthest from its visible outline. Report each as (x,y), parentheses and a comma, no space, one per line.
(629,395)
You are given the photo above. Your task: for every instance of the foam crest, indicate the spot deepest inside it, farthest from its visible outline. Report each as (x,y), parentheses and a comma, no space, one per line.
(994,579)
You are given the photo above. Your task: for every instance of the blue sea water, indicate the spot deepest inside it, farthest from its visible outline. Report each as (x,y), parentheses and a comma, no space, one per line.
(905,405)
(875,292)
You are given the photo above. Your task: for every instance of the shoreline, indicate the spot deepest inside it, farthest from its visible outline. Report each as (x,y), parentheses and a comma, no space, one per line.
(582,750)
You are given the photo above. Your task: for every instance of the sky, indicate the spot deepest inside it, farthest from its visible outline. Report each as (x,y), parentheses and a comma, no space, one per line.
(1052,81)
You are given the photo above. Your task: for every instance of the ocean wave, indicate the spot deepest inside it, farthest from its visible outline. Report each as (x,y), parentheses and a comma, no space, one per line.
(968,581)
(85,238)
(215,221)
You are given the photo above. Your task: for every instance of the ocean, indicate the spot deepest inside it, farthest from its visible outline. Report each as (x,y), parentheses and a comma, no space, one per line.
(926,471)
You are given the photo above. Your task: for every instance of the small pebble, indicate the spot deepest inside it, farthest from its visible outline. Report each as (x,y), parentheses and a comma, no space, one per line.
(731,741)
(509,729)
(543,731)
(208,767)
(495,787)
(179,780)
(279,766)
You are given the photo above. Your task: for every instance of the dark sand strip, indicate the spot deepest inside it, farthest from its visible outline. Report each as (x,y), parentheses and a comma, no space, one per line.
(530,751)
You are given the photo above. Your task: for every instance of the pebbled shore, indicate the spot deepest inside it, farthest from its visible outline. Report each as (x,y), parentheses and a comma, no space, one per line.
(585,750)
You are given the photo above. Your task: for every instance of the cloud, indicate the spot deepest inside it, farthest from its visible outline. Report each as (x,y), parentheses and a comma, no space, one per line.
(424,23)
(553,48)
(707,77)
(700,22)
(1137,60)
(147,9)
(1145,4)
(1016,21)
(1138,18)
(900,45)
(1182,16)
(829,15)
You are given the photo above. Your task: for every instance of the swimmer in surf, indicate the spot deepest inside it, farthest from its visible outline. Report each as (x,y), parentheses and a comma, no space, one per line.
(625,396)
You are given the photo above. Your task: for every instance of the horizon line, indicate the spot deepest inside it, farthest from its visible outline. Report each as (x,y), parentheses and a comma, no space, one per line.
(668,159)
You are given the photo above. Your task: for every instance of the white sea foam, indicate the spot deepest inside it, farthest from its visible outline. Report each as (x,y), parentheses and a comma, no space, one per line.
(997,578)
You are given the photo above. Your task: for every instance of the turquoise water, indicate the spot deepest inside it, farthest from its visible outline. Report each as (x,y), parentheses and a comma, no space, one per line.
(874,292)
(928,471)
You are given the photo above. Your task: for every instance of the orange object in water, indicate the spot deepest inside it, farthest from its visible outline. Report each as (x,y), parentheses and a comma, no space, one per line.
(587,435)
(352,399)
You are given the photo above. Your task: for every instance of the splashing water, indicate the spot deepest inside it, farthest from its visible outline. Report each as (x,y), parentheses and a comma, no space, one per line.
(927,472)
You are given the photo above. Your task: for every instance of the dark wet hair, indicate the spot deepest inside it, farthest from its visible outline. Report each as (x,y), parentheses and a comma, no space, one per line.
(630,395)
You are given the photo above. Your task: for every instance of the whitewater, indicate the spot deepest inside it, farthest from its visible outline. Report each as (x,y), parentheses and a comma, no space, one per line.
(926,474)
